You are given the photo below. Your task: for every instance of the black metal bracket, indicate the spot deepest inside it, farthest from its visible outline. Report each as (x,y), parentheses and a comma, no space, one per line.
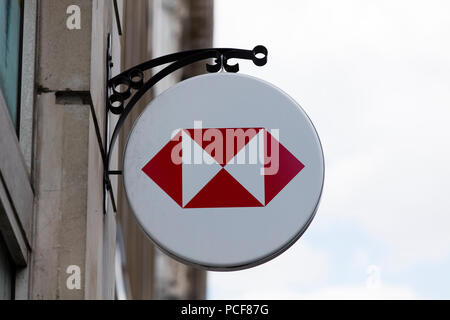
(126,89)
(116,13)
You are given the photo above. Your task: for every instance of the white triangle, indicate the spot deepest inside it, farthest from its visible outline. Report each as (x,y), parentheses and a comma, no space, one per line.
(246,167)
(196,175)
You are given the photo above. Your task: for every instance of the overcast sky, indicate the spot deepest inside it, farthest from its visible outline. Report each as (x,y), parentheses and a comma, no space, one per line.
(374,76)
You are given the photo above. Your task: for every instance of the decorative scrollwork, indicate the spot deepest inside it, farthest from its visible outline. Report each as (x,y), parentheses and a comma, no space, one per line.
(122,86)
(131,85)
(133,79)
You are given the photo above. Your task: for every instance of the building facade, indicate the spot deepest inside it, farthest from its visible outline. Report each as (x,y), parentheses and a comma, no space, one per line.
(57,241)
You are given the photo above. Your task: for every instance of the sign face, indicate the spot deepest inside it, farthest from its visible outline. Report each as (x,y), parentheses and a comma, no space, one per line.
(223,171)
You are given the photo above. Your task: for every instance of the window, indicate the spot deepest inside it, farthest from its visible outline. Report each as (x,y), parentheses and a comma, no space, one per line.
(11,13)
(6,273)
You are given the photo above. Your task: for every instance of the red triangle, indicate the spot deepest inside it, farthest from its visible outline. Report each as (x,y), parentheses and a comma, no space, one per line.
(288,167)
(165,173)
(223,191)
(227,135)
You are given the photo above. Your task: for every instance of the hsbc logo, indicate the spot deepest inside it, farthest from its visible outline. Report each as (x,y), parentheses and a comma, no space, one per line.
(234,190)
(223,167)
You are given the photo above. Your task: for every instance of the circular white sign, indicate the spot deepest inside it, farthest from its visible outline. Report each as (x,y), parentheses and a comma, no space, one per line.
(223,171)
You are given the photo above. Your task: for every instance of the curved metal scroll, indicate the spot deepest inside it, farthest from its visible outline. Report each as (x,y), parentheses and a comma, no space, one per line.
(131,85)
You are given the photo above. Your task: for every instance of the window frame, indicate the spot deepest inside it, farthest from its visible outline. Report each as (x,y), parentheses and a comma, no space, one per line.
(18,85)
(16,169)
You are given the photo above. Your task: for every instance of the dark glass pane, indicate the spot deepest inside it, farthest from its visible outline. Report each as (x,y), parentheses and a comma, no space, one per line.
(10,53)
(6,273)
